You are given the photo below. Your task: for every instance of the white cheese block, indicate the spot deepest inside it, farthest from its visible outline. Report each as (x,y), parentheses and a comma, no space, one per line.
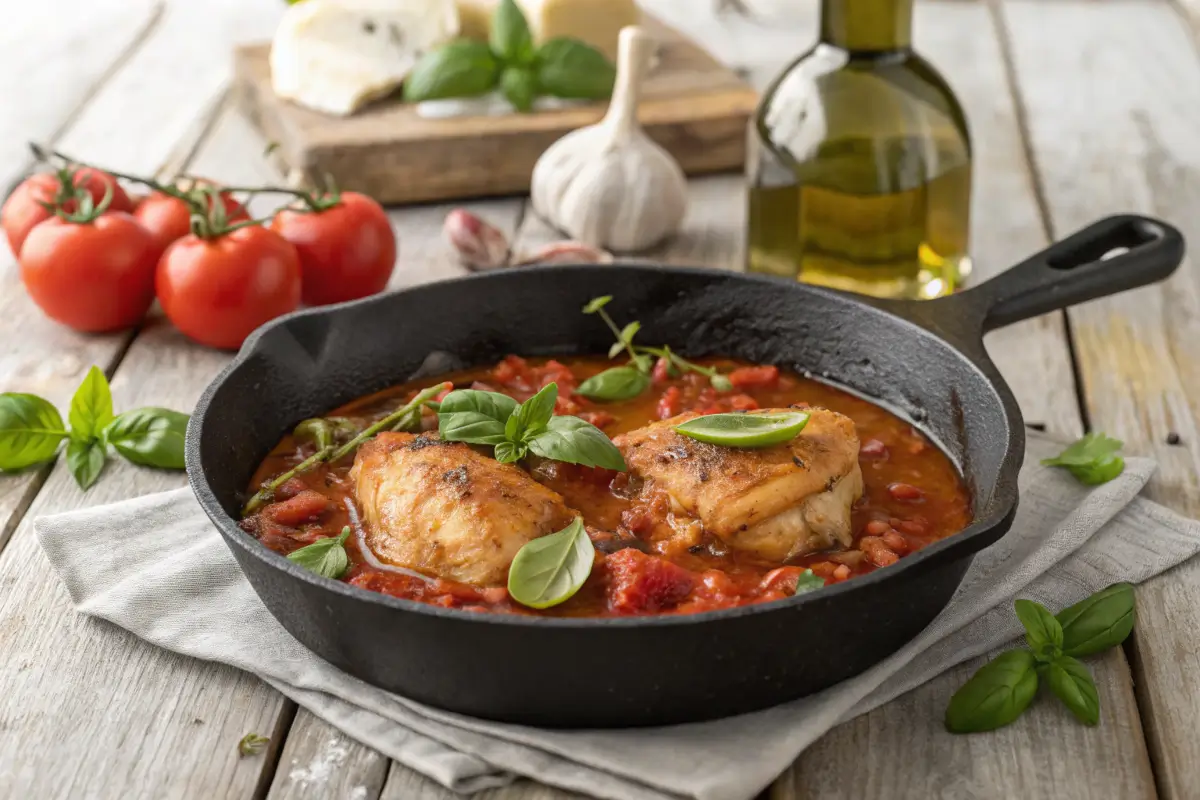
(336,56)
(597,22)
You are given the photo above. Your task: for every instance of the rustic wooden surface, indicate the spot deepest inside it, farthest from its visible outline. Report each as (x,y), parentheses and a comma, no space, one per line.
(694,106)
(1078,109)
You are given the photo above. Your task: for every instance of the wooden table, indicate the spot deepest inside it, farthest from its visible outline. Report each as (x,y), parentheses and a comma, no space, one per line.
(1078,109)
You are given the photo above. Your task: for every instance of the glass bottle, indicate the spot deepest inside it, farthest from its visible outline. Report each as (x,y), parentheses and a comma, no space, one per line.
(859,163)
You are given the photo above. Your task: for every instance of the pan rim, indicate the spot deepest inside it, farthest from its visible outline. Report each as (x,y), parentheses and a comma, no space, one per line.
(983,531)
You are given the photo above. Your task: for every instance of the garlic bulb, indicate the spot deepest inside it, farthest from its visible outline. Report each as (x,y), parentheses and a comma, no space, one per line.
(609,185)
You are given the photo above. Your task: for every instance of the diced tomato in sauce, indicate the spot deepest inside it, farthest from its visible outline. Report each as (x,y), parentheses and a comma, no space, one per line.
(642,584)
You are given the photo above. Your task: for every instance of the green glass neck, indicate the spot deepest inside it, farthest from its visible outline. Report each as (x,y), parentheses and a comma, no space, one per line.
(867,25)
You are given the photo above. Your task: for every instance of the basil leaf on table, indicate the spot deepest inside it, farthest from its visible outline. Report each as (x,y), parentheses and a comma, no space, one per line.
(573,70)
(91,407)
(995,695)
(511,38)
(550,569)
(326,557)
(152,437)
(1093,460)
(1099,622)
(30,430)
(1042,631)
(462,68)
(618,383)
(519,87)
(474,417)
(1071,682)
(808,582)
(574,441)
(85,460)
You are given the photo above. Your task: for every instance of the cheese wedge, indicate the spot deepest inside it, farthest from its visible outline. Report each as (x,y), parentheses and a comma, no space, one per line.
(336,56)
(596,22)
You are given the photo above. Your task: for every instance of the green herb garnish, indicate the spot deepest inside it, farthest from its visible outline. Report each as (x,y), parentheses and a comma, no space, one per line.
(749,429)
(510,62)
(252,744)
(641,359)
(1093,460)
(1004,687)
(326,557)
(618,383)
(808,582)
(550,569)
(31,430)
(518,429)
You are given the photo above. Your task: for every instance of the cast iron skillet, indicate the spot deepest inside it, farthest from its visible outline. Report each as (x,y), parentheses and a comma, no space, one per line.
(924,360)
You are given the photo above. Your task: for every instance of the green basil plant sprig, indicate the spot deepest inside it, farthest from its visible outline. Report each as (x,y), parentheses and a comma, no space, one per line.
(326,557)
(1004,687)
(517,429)
(31,431)
(1093,460)
(509,61)
(624,383)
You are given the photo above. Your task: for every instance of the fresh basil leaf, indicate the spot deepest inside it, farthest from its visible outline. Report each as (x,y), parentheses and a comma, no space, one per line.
(152,437)
(326,557)
(995,695)
(1093,460)
(630,331)
(808,582)
(475,417)
(252,744)
(1042,631)
(616,348)
(747,430)
(462,68)
(574,441)
(550,569)
(30,430)
(571,69)
(618,383)
(721,383)
(532,416)
(597,303)
(508,452)
(1070,680)
(91,407)
(642,363)
(1098,622)
(519,87)
(85,459)
(511,38)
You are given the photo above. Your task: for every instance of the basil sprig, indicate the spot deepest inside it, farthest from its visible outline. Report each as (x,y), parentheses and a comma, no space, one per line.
(252,744)
(808,581)
(617,383)
(326,557)
(517,429)
(31,430)
(510,62)
(1093,460)
(1004,687)
(550,569)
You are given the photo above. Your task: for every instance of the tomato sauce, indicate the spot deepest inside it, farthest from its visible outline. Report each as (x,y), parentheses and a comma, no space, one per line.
(913,495)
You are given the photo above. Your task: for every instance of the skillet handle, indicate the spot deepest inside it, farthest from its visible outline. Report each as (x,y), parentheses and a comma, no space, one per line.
(1110,256)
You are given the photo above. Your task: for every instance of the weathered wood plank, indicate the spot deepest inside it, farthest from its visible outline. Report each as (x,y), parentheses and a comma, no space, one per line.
(404,784)
(56,55)
(322,763)
(1115,131)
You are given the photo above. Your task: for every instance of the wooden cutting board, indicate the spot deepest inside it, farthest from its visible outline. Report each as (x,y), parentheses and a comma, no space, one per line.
(692,105)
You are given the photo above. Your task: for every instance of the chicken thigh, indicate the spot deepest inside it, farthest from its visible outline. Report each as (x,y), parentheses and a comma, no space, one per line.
(776,502)
(442,508)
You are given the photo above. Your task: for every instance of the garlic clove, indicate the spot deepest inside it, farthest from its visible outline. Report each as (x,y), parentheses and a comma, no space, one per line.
(478,244)
(567,252)
(609,185)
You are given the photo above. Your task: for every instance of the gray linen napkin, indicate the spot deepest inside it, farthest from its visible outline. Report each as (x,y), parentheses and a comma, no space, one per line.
(173,582)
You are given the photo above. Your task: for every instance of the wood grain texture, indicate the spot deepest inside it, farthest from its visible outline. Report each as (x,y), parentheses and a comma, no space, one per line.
(1115,131)
(404,784)
(693,106)
(322,763)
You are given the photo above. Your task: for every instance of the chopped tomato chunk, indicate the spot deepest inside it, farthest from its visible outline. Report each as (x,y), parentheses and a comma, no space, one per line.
(290,489)
(754,377)
(742,402)
(598,418)
(662,371)
(304,506)
(639,583)
(877,551)
(669,405)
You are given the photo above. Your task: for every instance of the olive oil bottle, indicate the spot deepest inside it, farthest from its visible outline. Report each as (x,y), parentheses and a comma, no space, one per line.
(859,163)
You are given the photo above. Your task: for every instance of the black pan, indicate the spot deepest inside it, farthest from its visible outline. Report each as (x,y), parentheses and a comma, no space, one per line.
(924,360)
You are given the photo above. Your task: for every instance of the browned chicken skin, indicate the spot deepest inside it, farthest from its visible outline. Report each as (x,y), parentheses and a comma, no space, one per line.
(777,502)
(443,508)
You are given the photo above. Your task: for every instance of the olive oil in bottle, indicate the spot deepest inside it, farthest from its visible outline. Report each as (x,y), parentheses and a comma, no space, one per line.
(859,163)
